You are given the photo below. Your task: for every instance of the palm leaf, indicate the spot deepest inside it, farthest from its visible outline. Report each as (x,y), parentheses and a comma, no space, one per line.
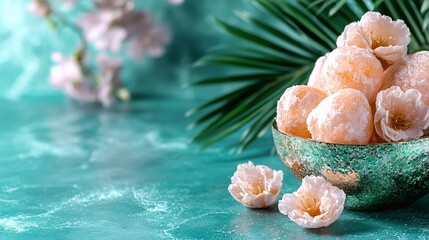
(278,52)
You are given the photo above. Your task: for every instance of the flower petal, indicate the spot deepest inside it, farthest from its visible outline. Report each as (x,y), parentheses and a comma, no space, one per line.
(354,35)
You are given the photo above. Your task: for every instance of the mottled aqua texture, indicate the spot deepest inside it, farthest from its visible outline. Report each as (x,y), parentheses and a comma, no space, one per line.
(70,171)
(374,176)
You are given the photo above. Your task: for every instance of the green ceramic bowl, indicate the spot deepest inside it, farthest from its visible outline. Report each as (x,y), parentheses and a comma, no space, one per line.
(374,177)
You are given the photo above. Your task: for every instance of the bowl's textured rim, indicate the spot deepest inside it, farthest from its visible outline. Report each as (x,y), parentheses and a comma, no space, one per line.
(274,126)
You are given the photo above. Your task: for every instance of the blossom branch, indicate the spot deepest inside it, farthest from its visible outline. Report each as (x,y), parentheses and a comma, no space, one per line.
(107,27)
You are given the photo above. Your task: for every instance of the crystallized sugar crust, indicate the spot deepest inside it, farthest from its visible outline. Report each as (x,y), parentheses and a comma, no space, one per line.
(315,79)
(411,72)
(351,67)
(344,117)
(294,107)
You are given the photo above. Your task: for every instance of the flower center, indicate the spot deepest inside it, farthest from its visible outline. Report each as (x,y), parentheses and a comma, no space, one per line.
(310,206)
(400,121)
(380,41)
(258,187)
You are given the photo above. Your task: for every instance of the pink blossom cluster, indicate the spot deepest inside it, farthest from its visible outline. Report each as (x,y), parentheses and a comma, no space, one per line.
(115,21)
(70,75)
(108,27)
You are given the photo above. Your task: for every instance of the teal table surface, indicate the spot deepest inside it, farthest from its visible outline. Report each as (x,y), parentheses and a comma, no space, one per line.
(71,171)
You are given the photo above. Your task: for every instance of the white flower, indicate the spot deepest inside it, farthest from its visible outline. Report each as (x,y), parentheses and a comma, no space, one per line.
(387,39)
(256,186)
(317,203)
(400,115)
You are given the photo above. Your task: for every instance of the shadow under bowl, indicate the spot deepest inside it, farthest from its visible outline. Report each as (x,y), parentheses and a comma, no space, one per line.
(374,176)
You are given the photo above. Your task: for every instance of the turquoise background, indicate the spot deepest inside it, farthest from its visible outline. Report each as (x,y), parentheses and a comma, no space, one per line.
(27,44)
(73,171)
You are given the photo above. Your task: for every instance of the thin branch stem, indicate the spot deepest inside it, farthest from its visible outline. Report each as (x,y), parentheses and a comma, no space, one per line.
(81,51)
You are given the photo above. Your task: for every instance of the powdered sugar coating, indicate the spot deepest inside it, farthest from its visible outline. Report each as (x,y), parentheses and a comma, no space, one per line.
(315,79)
(294,107)
(411,72)
(351,67)
(344,117)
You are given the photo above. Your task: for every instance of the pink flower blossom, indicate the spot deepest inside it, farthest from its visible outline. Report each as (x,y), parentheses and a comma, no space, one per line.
(136,21)
(69,3)
(41,8)
(109,79)
(317,203)
(146,37)
(387,39)
(67,75)
(104,29)
(400,115)
(256,186)
(150,42)
(115,21)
